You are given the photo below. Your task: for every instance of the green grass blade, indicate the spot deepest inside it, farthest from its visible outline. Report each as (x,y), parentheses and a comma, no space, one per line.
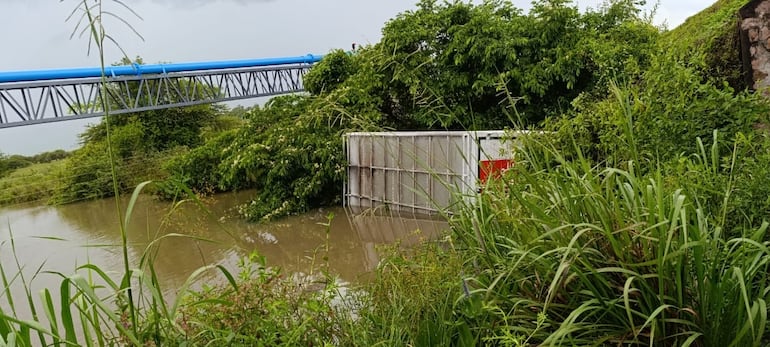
(48,309)
(85,288)
(229,276)
(68,320)
(132,202)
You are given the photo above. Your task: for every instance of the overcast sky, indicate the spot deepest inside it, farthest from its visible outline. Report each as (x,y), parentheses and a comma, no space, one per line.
(35,35)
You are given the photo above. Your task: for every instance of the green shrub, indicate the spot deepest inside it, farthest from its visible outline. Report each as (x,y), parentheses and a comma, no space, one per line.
(198,169)
(266,309)
(295,164)
(16,162)
(47,157)
(454,64)
(669,107)
(289,151)
(89,175)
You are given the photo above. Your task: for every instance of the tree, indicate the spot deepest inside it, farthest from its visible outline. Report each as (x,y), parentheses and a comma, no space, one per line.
(335,69)
(462,66)
(140,142)
(159,129)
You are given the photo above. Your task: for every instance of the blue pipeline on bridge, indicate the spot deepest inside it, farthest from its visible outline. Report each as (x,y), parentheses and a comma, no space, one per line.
(138,70)
(43,96)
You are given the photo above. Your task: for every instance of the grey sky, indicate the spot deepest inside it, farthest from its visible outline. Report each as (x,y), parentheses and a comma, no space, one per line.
(34,35)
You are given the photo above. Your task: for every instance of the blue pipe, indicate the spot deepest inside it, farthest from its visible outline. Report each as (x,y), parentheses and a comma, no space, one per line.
(136,70)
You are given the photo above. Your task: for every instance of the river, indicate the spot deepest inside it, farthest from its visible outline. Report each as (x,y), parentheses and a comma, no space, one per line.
(60,238)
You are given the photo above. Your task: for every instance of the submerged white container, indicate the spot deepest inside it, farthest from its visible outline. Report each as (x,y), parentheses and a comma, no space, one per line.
(425,171)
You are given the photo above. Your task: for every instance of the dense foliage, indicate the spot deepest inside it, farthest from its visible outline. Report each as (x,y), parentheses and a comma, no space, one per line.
(444,65)
(288,151)
(456,64)
(459,65)
(670,106)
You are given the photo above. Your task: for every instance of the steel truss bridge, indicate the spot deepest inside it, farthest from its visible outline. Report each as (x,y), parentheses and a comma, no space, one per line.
(44,96)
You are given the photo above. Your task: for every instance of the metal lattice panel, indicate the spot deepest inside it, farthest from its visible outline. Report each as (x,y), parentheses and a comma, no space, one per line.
(27,103)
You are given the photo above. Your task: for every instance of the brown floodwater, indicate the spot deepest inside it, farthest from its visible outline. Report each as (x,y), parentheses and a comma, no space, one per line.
(61,238)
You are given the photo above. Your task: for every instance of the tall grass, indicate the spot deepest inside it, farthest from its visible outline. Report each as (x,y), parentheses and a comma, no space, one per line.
(569,252)
(90,307)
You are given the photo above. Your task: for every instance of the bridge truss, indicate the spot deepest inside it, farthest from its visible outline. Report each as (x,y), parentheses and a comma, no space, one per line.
(45,101)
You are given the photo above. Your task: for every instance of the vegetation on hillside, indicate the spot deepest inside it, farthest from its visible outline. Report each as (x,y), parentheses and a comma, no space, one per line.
(9,163)
(709,42)
(670,105)
(36,182)
(31,178)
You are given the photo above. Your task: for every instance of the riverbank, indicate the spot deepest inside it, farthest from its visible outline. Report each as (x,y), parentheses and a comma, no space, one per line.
(36,182)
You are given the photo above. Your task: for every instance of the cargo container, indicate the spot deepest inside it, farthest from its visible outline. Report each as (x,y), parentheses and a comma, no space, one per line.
(426,171)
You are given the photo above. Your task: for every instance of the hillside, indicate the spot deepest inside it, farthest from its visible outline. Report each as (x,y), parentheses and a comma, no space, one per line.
(710,40)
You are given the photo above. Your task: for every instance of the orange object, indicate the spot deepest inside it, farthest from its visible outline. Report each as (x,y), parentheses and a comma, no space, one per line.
(493,168)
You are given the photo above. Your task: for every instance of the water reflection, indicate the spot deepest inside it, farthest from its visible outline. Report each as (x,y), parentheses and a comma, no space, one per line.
(89,232)
(376,227)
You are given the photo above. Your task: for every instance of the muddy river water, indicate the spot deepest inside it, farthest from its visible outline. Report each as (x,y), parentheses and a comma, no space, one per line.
(61,238)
